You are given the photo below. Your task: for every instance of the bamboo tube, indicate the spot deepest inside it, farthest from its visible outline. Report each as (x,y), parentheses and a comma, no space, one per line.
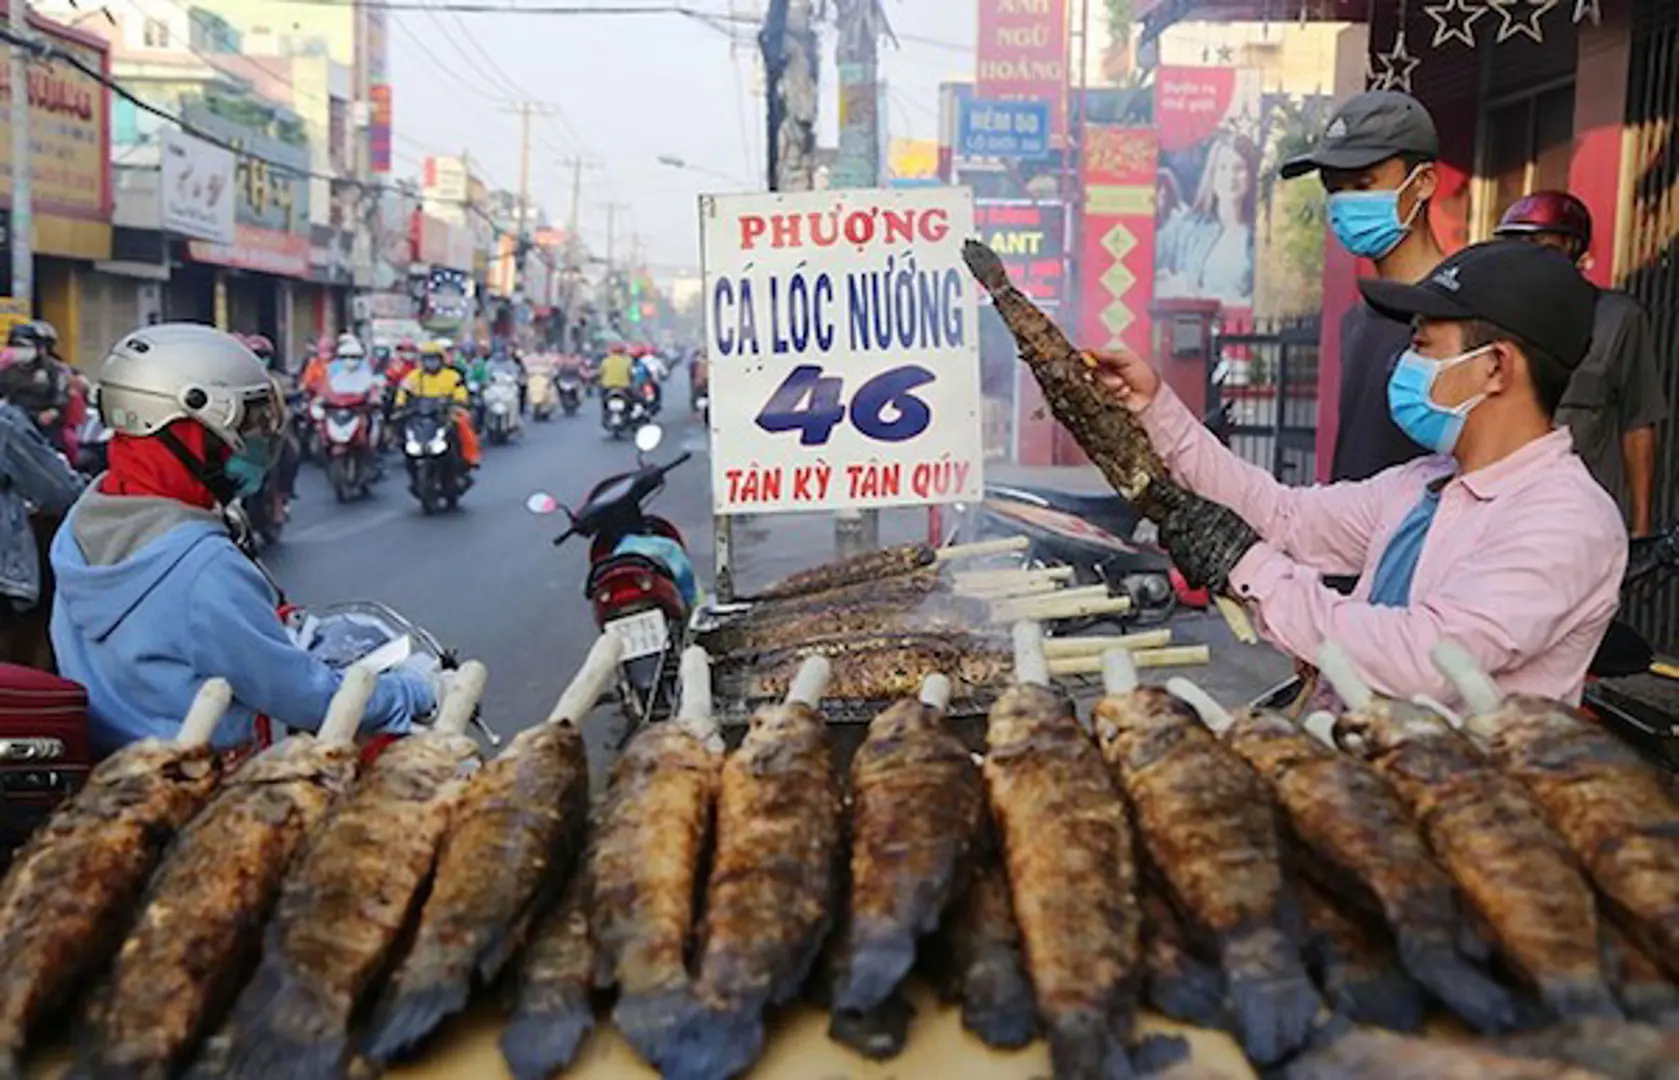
(1174,656)
(1032,587)
(1046,608)
(986,579)
(1241,627)
(1100,643)
(981,549)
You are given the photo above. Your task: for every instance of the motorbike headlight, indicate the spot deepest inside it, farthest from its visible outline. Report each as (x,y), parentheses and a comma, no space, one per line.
(317,410)
(439,443)
(616,404)
(413,446)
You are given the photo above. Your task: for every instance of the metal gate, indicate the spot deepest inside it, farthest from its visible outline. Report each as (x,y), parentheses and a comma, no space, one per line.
(1653,255)
(1268,382)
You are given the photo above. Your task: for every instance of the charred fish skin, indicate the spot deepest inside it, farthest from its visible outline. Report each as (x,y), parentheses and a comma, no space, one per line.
(1179,984)
(202,916)
(1364,847)
(1207,823)
(1645,991)
(70,892)
(939,615)
(1513,868)
(1608,1048)
(979,960)
(553,1008)
(1370,1054)
(771,889)
(648,865)
(1357,967)
(916,805)
(1609,805)
(1066,841)
(342,911)
(860,569)
(886,668)
(513,843)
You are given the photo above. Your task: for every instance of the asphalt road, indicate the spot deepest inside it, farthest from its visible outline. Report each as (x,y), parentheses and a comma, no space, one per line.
(487,580)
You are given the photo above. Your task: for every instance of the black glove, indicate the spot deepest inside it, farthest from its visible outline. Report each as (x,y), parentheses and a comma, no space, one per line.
(1206,539)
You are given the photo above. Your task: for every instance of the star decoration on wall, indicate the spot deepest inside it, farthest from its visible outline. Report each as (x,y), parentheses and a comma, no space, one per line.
(1588,9)
(1455,21)
(1522,17)
(1396,66)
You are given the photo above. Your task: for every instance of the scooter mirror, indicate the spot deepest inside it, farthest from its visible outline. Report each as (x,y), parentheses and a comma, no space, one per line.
(648,437)
(542,504)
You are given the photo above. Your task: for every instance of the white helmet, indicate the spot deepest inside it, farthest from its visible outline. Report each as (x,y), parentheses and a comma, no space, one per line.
(349,347)
(183,371)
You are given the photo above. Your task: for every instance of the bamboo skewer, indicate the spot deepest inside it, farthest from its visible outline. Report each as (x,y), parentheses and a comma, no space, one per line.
(1241,627)
(982,548)
(211,702)
(464,694)
(348,707)
(1004,590)
(1056,648)
(991,579)
(1174,656)
(1059,606)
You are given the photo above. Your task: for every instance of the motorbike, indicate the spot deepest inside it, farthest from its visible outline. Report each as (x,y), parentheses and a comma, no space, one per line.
(641,582)
(436,474)
(502,417)
(621,412)
(269,509)
(571,392)
(540,388)
(93,440)
(346,438)
(303,424)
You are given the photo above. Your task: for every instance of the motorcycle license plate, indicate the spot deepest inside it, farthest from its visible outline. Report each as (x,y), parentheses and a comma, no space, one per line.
(643,634)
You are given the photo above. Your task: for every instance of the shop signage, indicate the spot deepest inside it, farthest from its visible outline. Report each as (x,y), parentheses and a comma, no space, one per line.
(69,128)
(263,250)
(1116,264)
(197,188)
(842,331)
(379,128)
(270,183)
(1023,55)
(1031,238)
(1003,129)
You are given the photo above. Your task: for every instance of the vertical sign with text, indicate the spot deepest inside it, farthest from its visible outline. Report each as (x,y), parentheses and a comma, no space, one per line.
(1022,56)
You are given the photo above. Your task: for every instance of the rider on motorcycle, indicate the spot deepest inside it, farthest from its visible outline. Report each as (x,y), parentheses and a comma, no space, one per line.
(617,370)
(40,384)
(435,380)
(287,453)
(153,595)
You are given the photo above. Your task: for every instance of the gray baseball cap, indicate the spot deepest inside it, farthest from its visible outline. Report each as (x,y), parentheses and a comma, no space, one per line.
(1370,127)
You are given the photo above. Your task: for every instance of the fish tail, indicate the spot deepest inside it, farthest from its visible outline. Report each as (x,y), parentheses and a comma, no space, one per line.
(404,1020)
(1157,1053)
(1577,997)
(1387,999)
(268,1055)
(878,1034)
(538,1045)
(998,1009)
(1084,1046)
(1193,994)
(1654,1003)
(654,1023)
(718,1045)
(876,966)
(1475,996)
(1272,999)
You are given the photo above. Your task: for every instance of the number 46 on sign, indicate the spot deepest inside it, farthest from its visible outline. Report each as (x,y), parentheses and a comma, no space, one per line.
(885,408)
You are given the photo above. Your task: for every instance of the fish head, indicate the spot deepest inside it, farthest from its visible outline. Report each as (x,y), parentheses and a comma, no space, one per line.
(1022,712)
(985,265)
(1386,724)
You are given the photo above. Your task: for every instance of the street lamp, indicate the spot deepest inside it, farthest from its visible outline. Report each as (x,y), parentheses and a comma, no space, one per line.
(675,162)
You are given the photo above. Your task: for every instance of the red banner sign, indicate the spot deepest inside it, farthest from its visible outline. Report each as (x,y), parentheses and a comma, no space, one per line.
(1116,256)
(1023,56)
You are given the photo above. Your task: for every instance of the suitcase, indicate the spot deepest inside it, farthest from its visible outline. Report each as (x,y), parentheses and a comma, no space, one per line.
(45,754)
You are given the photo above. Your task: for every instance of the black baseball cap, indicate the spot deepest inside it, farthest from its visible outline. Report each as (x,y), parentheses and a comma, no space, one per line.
(1530,290)
(1370,127)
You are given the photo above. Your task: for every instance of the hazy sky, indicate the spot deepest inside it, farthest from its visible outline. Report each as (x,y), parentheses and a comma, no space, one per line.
(624,90)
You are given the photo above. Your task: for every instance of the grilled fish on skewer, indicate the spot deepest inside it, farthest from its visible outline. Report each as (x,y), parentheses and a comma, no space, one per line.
(771,889)
(1106,431)
(878,1033)
(902,590)
(868,567)
(1513,868)
(196,937)
(1208,826)
(1609,1048)
(1611,807)
(1067,846)
(916,805)
(941,615)
(893,670)
(553,1007)
(1371,1054)
(1645,991)
(512,844)
(70,893)
(647,864)
(1178,984)
(1357,966)
(1360,843)
(345,905)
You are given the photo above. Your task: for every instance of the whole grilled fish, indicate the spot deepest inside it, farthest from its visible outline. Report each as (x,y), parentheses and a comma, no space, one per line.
(1067,846)
(979,959)
(870,566)
(903,590)
(1207,824)
(1514,869)
(871,669)
(553,1008)
(648,867)
(1357,839)
(344,907)
(937,614)
(1103,428)
(1371,1054)
(71,892)
(1357,966)
(1611,807)
(1609,1048)
(1178,984)
(881,1031)
(771,893)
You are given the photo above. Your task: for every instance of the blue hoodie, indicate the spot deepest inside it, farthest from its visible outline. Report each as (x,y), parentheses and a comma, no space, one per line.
(154,598)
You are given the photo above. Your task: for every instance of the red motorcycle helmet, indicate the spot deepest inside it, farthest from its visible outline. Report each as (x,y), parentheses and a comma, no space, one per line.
(1554,213)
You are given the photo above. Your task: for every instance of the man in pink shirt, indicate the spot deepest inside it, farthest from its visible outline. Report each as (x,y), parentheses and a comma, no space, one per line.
(1500,540)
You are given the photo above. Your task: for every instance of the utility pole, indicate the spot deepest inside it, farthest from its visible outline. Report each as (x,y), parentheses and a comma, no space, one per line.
(611,277)
(525,110)
(574,249)
(23,223)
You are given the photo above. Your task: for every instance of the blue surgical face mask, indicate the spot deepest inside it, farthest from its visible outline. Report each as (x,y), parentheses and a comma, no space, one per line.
(1367,222)
(1411,400)
(248,467)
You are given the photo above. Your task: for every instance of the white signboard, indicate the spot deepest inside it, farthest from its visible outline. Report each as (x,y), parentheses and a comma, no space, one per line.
(841,328)
(198,193)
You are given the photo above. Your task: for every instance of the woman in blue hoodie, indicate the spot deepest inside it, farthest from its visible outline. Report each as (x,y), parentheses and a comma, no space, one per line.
(153,596)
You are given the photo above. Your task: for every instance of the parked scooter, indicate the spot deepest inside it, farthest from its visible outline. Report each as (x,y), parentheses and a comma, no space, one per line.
(437,475)
(641,581)
(502,418)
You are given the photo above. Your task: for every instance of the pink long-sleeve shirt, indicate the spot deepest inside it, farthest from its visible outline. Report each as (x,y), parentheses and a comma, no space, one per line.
(1522,565)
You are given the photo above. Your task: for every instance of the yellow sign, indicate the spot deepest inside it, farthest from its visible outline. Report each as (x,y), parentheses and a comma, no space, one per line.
(913,159)
(69,114)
